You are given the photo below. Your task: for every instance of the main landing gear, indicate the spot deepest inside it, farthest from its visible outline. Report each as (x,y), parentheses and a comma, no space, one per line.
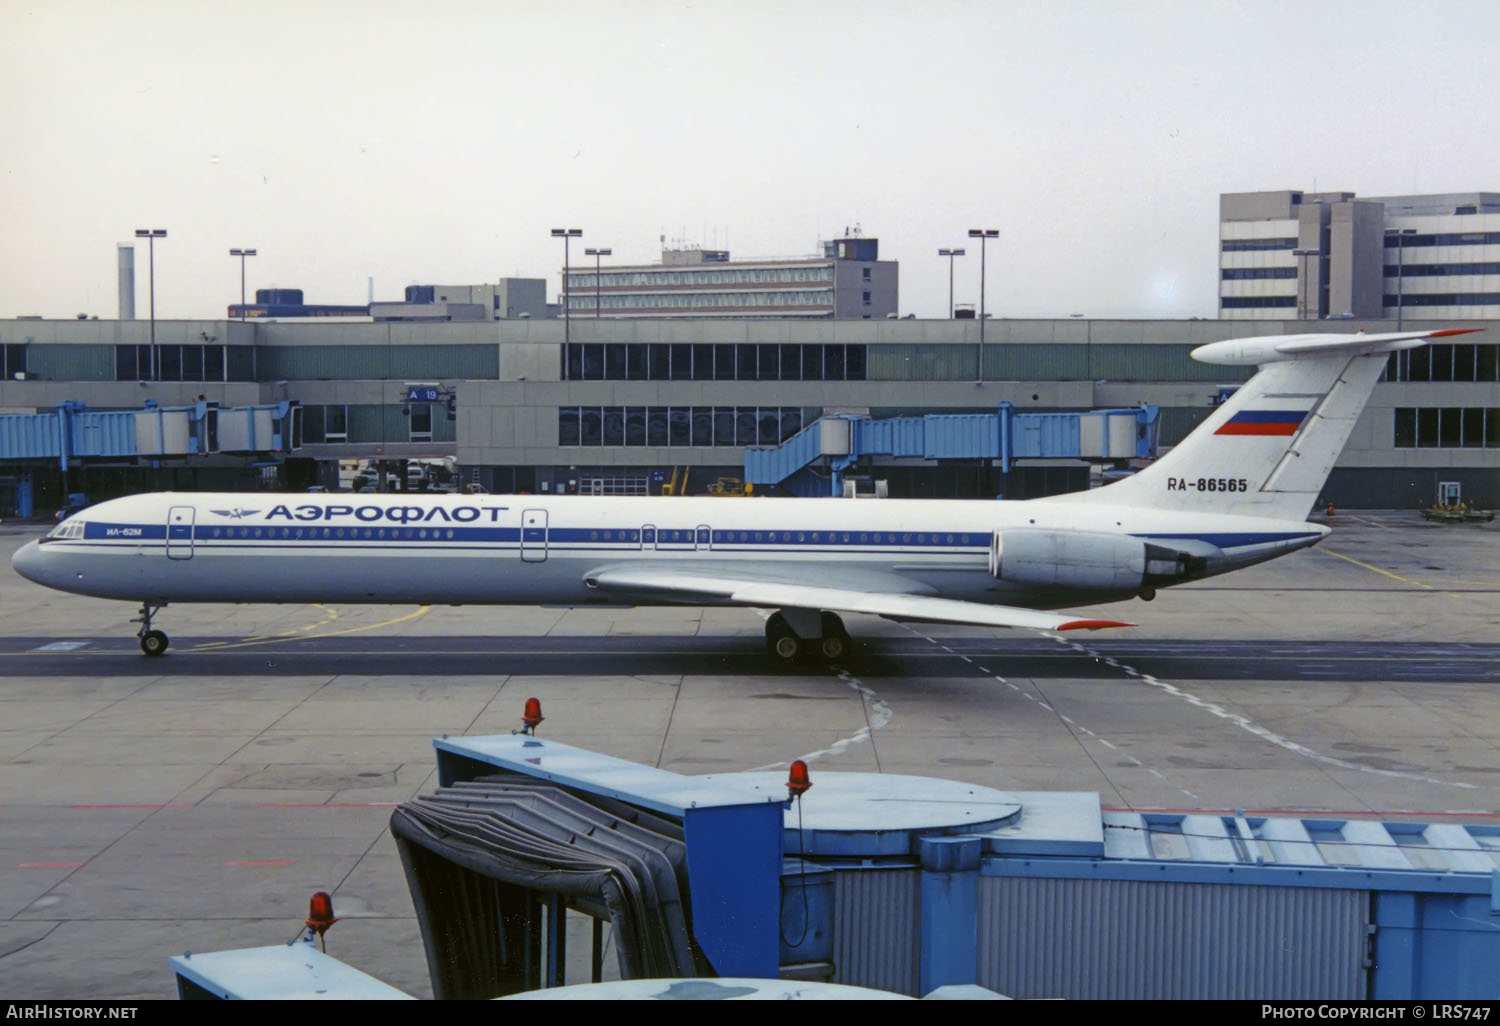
(153,642)
(791,633)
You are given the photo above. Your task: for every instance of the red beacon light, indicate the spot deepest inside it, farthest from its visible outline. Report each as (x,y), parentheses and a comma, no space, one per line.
(798,782)
(320,914)
(532,716)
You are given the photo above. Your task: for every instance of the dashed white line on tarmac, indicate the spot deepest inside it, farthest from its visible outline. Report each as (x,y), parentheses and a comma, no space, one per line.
(1250,726)
(1072,724)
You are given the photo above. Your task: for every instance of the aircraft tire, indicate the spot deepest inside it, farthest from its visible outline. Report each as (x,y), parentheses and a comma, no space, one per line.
(835,643)
(833,648)
(154,643)
(782,643)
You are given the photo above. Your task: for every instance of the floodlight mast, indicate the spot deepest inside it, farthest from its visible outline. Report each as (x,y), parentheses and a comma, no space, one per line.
(983,235)
(151,235)
(567,235)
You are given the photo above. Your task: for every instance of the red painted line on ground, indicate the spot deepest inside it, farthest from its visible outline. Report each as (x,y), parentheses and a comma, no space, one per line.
(330,805)
(49,865)
(264,862)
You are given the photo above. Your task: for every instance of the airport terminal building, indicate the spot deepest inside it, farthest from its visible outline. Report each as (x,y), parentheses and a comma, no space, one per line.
(619,406)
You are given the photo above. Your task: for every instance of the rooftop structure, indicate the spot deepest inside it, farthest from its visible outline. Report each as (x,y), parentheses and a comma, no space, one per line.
(507,298)
(848,282)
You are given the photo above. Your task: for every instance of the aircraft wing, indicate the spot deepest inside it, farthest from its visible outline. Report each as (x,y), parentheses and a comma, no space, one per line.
(874,592)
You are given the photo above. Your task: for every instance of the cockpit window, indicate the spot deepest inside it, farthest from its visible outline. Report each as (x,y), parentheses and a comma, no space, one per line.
(70,528)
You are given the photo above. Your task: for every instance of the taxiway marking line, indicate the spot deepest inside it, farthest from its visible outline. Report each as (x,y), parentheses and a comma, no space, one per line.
(877,715)
(222,645)
(1387,573)
(1250,726)
(333,614)
(1064,717)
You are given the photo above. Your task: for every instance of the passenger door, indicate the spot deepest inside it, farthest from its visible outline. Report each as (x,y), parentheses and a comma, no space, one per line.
(534,535)
(180,532)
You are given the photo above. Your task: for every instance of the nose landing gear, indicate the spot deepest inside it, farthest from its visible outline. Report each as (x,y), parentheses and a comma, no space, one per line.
(153,642)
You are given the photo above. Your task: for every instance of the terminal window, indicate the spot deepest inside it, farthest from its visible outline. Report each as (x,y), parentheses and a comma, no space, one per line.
(698,361)
(1447,427)
(13,361)
(677,426)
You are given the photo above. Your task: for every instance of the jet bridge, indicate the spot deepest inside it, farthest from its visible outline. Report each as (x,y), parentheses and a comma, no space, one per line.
(71,436)
(72,433)
(909,885)
(843,440)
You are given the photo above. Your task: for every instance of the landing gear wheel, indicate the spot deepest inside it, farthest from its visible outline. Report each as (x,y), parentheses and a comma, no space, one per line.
(832,648)
(782,643)
(153,643)
(835,643)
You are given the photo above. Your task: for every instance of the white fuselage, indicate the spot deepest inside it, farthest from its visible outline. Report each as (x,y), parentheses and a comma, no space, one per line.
(529,549)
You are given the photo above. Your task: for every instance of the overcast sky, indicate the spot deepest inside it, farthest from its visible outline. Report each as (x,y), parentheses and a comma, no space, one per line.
(438,142)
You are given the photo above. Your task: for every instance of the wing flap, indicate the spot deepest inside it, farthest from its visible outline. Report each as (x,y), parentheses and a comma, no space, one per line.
(903,604)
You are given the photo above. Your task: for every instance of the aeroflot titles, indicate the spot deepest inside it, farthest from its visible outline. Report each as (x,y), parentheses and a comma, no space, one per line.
(399,514)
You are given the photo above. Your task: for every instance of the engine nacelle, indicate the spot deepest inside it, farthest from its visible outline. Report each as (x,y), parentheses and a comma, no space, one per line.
(1091,560)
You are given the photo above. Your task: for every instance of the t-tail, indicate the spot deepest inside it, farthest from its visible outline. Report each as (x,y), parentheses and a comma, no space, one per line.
(1268,449)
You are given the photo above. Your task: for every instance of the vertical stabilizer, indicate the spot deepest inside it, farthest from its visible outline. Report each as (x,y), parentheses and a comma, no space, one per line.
(1268,450)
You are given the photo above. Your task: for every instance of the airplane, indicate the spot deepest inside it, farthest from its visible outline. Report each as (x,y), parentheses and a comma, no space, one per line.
(1234,493)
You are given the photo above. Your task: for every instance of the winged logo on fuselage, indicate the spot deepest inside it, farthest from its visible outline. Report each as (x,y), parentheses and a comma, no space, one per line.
(234,514)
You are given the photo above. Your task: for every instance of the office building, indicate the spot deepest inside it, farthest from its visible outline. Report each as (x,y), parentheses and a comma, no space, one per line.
(848,282)
(1310,256)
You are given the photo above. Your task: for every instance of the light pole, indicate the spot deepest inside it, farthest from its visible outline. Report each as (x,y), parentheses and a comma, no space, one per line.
(598,284)
(566,234)
(242,254)
(1400,235)
(983,235)
(151,235)
(950,254)
(1306,286)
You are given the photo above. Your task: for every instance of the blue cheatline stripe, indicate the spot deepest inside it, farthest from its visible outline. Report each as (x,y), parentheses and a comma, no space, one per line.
(123,532)
(557,536)
(439,547)
(615,540)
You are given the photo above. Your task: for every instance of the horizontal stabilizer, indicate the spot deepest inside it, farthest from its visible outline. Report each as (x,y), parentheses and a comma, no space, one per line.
(1265,349)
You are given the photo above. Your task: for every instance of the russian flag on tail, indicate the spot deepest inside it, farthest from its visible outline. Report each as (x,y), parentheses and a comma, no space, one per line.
(1263,422)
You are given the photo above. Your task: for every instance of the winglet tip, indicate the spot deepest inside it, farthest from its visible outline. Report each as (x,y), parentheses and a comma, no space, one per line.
(1449,332)
(1092,625)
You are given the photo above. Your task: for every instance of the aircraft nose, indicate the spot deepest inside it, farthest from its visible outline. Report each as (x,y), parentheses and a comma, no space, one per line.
(29,562)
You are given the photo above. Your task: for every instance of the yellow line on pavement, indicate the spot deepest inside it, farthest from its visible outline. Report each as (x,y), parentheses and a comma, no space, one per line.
(420,611)
(332,615)
(1387,573)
